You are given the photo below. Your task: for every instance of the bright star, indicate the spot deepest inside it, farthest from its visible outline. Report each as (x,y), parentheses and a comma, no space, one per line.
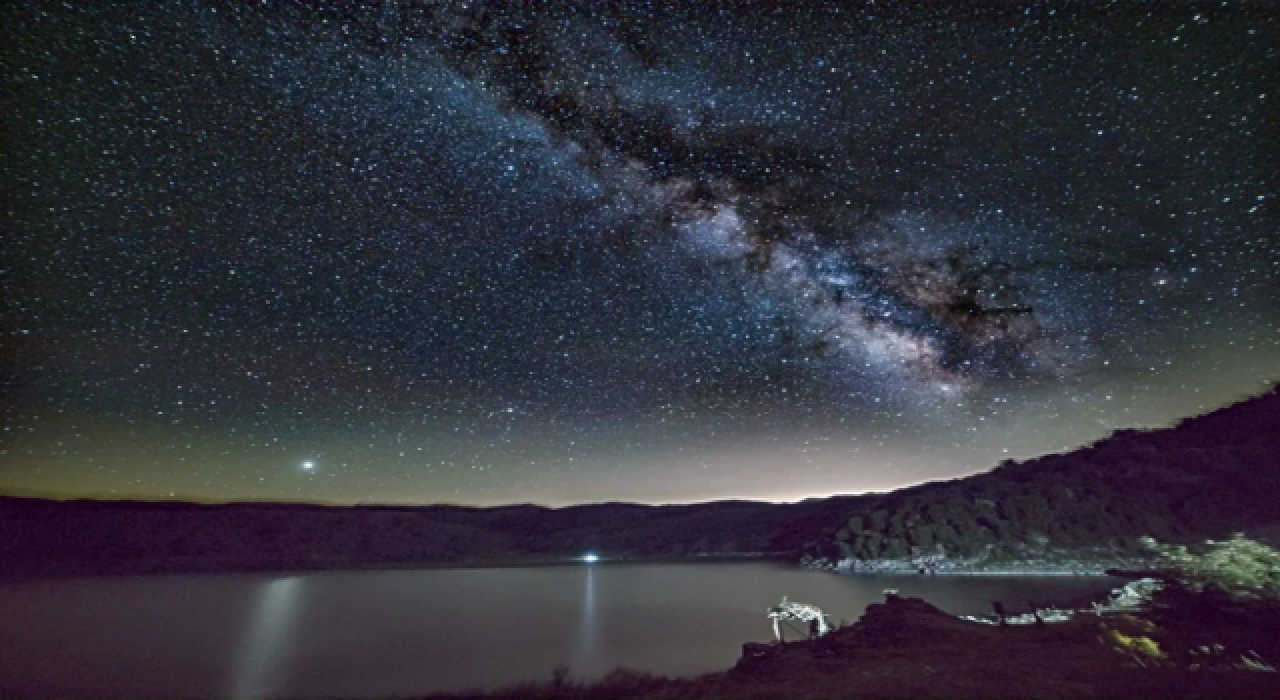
(309,465)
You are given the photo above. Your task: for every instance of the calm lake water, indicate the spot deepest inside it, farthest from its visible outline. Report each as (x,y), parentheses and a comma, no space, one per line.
(386,633)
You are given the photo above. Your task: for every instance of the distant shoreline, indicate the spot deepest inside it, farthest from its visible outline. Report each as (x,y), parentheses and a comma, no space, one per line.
(172,569)
(982,572)
(68,571)
(1032,567)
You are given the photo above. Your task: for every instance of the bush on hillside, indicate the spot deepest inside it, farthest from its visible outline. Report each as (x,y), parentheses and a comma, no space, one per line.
(1220,607)
(1239,567)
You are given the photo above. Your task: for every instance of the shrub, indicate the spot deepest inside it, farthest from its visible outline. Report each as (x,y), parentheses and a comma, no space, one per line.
(1238,566)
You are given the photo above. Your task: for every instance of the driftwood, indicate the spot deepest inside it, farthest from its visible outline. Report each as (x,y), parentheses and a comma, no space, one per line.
(804,612)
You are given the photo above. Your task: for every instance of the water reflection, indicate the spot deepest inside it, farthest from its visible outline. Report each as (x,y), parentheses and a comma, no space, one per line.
(584,653)
(258,667)
(408,633)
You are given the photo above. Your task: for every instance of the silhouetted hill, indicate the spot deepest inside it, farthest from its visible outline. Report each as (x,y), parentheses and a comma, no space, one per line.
(1206,477)
(127,536)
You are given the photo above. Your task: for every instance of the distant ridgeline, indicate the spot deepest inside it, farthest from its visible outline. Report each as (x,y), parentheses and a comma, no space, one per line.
(1207,477)
(86,537)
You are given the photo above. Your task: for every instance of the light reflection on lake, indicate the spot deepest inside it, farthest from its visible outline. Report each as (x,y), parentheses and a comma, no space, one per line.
(268,638)
(384,633)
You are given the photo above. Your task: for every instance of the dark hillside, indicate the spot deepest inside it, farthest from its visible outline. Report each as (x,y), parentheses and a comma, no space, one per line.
(1206,477)
(129,536)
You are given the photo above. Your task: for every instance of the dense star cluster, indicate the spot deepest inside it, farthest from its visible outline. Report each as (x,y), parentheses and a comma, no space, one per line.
(422,251)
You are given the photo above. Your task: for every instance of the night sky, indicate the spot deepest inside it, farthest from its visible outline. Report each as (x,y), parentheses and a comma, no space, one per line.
(661,252)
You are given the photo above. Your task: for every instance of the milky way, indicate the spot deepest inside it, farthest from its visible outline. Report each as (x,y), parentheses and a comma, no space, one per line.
(484,253)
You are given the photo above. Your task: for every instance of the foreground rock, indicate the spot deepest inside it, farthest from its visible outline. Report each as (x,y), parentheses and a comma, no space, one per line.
(908,648)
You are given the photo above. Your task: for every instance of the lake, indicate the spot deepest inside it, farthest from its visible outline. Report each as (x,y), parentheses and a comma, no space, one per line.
(386,633)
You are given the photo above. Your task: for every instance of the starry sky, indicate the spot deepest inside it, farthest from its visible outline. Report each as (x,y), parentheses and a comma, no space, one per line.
(417,252)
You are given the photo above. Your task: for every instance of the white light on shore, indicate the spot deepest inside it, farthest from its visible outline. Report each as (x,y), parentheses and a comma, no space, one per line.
(590,558)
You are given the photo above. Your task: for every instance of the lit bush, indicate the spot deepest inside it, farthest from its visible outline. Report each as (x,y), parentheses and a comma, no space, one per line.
(1239,566)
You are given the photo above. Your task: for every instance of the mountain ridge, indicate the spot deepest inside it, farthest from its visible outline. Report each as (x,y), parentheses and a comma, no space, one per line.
(1207,476)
